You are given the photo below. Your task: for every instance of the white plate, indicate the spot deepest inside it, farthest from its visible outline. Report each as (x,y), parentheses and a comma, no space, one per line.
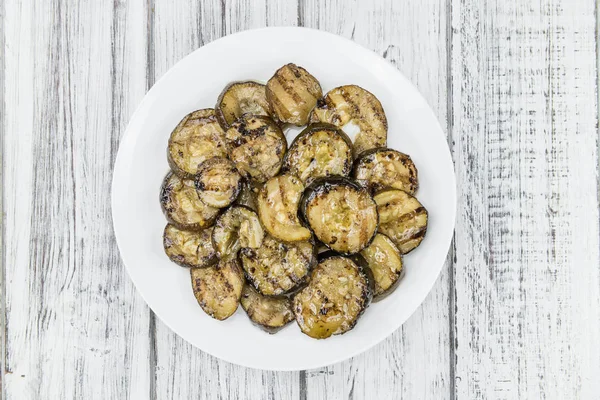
(194,83)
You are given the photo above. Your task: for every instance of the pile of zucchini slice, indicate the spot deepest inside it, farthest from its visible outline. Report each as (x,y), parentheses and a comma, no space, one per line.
(311,232)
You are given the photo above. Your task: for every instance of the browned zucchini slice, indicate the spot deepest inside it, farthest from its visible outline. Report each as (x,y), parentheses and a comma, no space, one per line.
(385,262)
(248,195)
(319,150)
(402,218)
(182,206)
(278,208)
(218,289)
(268,312)
(384,168)
(240,98)
(340,213)
(277,268)
(188,248)
(256,146)
(236,228)
(358,112)
(338,293)
(197,137)
(292,94)
(218,182)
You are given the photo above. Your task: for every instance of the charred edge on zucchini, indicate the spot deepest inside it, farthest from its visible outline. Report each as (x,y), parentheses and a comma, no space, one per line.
(354,109)
(197,137)
(320,150)
(182,206)
(340,213)
(188,248)
(292,94)
(402,218)
(240,98)
(268,312)
(276,268)
(338,293)
(385,262)
(236,228)
(278,208)
(256,146)
(218,182)
(218,289)
(384,168)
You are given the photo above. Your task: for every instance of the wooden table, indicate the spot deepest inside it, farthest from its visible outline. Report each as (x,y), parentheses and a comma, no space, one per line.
(516,311)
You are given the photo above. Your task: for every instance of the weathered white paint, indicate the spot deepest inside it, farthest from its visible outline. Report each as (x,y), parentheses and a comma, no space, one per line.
(516,312)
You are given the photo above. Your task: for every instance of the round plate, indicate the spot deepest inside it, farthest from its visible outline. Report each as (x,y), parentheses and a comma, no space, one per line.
(194,83)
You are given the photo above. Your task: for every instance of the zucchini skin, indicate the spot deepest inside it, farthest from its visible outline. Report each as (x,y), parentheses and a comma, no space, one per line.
(322,186)
(362,171)
(226,119)
(202,242)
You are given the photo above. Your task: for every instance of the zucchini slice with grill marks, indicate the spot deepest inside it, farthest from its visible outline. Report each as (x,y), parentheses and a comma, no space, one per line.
(338,293)
(236,228)
(218,289)
(197,137)
(278,208)
(256,146)
(218,182)
(277,268)
(182,206)
(340,213)
(292,94)
(319,150)
(268,312)
(188,248)
(384,168)
(402,218)
(385,262)
(240,98)
(358,112)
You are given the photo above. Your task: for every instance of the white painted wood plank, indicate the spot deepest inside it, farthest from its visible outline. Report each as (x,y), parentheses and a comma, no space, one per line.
(75,326)
(183,371)
(414,362)
(527,278)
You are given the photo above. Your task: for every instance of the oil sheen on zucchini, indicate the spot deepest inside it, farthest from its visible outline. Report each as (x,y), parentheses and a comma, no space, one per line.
(278,208)
(340,213)
(277,268)
(240,98)
(218,182)
(182,206)
(189,248)
(385,262)
(358,112)
(197,137)
(218,289)
(402,218)
(236,228)
(338,293)
(384,168)
(268,312)
(319,150)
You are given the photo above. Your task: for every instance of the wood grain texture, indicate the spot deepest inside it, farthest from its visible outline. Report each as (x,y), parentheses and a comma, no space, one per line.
(526,278)
(75,326)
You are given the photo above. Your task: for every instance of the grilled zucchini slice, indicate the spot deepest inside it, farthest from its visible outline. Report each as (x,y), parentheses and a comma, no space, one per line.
(278,208)
(240,98)
(218,182)
(384,168)
(385,262)
(236,228)
(218,289)
(182,206)
(277,268)
(358,112)
(320,150)
(197,137)
(268,312)
(188,248)
(256,146)
(338,293)
(248,195)
(402,218)
(340,213)
(292,93)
